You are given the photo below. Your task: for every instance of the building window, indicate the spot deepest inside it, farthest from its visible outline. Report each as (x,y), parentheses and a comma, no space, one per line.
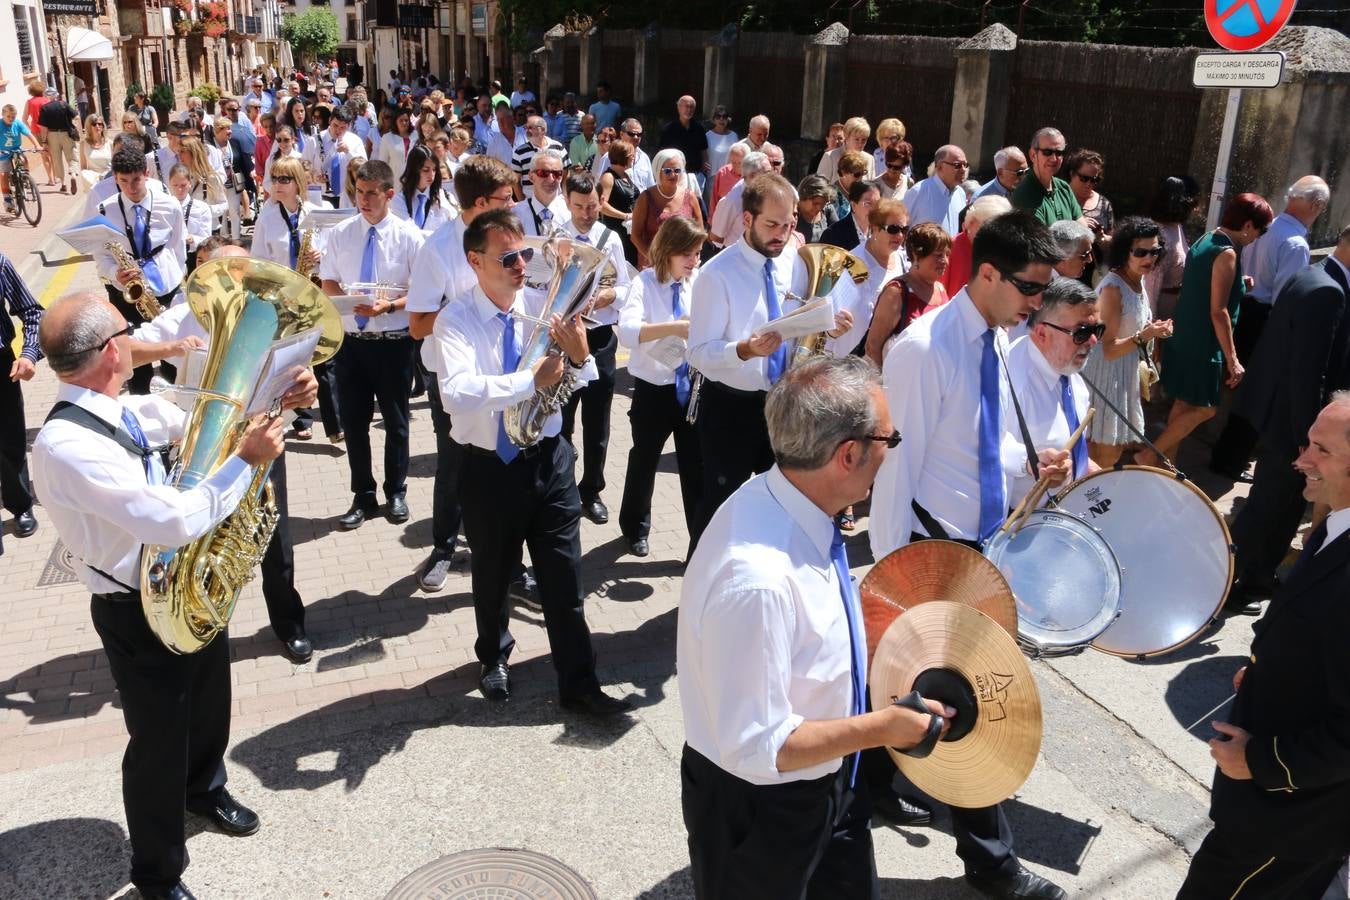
(27,58)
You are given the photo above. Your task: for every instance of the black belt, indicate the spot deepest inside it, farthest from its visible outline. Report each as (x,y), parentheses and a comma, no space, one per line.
(525,452)
(120,597)
(708,383)
(379,335)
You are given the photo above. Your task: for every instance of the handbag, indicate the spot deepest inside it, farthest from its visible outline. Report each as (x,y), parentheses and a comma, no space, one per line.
(1148,373)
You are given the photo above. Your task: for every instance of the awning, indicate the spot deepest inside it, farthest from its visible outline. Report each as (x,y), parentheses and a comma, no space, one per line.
(83,45)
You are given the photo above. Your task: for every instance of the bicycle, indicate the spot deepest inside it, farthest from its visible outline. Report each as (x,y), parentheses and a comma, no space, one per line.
(23,189)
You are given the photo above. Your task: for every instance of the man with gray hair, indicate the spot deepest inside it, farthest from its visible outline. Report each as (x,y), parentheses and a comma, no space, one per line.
(727,226)
(1074,240)
(1049,198)
(756,134)
(1010,165)
(522,157)
(98,467)
(939,198)
(640,169)
(546,207)
(769,770)
(1271,261)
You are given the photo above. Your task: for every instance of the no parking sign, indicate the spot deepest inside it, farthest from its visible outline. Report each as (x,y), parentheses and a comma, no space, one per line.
(1246,24)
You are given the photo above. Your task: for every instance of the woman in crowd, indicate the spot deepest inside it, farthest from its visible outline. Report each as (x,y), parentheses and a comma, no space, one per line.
(852,167)
(814,196)
(672,195)
(1173,205)
(196,214)
(1195,361)
(132,126)
(884,255)
(146,117)
(207,187)
(894,178)
(395,145)
(909,296)
(32,106)
(1113,364)
(604,140)
(458,149)
(283,146)
(891,133)
(297,119)
(1074,240)
(725,178)
(619,197)
(238,165)
(95,151)
(958,267)
(419,197)
(851,232)
(720,138)
(657,307)
(1086,170)
(856,133)
(428,126)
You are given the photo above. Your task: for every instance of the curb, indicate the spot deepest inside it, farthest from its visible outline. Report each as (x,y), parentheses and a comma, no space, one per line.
(34,264)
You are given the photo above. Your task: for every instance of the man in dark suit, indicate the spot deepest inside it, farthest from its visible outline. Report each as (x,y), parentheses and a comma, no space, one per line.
(1300,360)
(1281,797)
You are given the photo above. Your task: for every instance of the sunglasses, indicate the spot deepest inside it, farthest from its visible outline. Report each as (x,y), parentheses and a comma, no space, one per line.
(895,229)
(1088,179)
(1082,333)
(776,163)
(1020,172)
(636,135)
(1141,252)
(671,170)
(957,165)
(127,331)
(283,179)
(1024,287)
(896,168)
(548,173)
(95,124)
(1049,151)
(891,440)
(508,260)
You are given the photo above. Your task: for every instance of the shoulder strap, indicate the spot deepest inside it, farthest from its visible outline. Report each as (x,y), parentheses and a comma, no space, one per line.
(1032,464)
(604,238)
(69,412)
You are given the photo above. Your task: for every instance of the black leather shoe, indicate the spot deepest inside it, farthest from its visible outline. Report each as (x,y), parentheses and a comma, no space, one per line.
(596,703)
(178,892)
(1020,885)
(899,811)
(1240,604)
(356,516)
(227,814)
(25,523)
(298,649)
(595,510)
(495,683)
(398,510)
(639,547)
(1238,476)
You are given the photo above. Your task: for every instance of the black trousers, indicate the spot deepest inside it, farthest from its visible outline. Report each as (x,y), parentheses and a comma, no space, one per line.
(655,415)
(371,372)
(533,501)
(285,609)
(445,512)
(734,441)
(177,713)
(1237,441)
(16,490)
(141,375)
(1265,528)
(1225,868)
(801,839)
(596,399)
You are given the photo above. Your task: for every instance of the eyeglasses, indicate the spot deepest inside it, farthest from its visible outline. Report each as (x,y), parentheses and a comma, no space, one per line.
(548,173)
(508,260)
(895,229)
(776,163)
(283,179)
(891,440)
(95,124)
(1082,333)
(671,170)
(1049,151)
(1088,179)
(1086,255)
(1019,172)
(635,135)
(1024,287)
(505,201)
(126,331)
(722,116)
(956,165)
(899,167)
(1141,252)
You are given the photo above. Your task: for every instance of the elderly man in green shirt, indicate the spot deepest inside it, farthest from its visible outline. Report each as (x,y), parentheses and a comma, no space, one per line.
(1049,198)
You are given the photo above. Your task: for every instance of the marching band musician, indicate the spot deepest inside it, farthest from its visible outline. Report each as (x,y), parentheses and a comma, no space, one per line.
(597,397)
(168,335)
(154,228)
(513,495)
(196,213)
(420,198)
(335,147)
(547,205)
(101,481)
(375,362)
(944,387)
(1044,366)
(771,656)
(441,273)
(658,307)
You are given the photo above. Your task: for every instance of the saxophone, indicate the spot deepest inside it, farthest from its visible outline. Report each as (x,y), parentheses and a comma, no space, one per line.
(303,267)
(188,593)
(137,291)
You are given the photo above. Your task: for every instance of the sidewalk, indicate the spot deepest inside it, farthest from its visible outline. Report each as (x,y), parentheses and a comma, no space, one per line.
(40,257)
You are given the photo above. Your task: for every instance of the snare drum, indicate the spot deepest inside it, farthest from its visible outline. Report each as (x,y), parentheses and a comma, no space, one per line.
(1176,558)
(1065,578)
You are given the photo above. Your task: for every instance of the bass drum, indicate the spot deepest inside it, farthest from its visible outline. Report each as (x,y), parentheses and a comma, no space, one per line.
(1176,557)
(1065,578)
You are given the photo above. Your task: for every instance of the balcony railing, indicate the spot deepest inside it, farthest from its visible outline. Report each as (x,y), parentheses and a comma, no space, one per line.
(248,24)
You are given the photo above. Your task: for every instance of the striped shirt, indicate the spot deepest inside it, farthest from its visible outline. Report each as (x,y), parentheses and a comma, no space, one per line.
(20,303)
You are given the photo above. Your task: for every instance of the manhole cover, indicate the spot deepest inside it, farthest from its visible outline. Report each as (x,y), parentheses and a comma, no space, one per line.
(60,568)
(493,874)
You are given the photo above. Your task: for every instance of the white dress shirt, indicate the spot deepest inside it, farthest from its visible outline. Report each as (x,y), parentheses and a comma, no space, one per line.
(106,188)
(320,154)
(196,221)
(97,496)
(174,324)
(436,215)
(861,299)
(828,168)
(1275,257)
(763,638)
(639,170)
(727,221)
(931,201)
(392,150)
(530,213)
(1038,391)
(165,227)
(650,303)
(441,272)
(499,146)
(165,160)
(932,378)
(605,240)
(474,389)
(396,245)
(1338,523)
(272,236)
(727,304)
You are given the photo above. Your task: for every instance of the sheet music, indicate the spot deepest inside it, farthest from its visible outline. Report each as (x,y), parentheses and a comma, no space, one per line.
(809,318)
(276,373)
(346,303)
(669,351)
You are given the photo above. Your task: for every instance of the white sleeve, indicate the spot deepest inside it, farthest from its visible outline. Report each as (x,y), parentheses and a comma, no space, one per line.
(464,389)
(709,318)
(913,393)
(632,316)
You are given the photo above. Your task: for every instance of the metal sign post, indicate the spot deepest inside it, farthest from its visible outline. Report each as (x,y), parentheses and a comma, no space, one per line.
(1219,190)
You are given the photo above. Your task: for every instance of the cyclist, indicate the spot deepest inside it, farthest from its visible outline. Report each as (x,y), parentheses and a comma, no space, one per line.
(12,133)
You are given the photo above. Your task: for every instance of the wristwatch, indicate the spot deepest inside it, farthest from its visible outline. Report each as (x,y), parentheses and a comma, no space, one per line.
(580,365)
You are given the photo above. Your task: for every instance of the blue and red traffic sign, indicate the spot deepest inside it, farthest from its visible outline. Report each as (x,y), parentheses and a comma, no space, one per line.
(1246,24)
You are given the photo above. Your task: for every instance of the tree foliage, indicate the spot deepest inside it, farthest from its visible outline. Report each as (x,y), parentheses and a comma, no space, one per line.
(313,35)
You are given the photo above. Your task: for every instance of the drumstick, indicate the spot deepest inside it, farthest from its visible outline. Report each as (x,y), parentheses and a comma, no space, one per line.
(1211,712)
(1033,497)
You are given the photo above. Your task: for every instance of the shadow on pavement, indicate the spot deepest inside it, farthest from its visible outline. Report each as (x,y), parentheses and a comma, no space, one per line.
(1050,839)
(73,858)
(1197,689)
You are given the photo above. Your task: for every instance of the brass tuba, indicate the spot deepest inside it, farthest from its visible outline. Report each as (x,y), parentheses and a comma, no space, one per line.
(572,268)
(826,267)
(188,593)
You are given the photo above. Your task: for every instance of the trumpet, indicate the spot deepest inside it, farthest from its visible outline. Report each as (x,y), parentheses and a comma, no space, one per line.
(136,291)
(377,290)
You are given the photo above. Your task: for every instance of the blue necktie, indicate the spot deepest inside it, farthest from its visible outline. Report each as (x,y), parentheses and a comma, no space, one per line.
(1080,452)
(583,238)
(855,633)
(420,213)
(367,270)
(777,360)
(506,450)
(300,141)
(142,249)
(335,174)
(133,428)
(682,373)
(993,503)
(295,236)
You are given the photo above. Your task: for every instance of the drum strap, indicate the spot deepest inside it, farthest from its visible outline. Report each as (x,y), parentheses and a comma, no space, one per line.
(1032,465)
(1125,420)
